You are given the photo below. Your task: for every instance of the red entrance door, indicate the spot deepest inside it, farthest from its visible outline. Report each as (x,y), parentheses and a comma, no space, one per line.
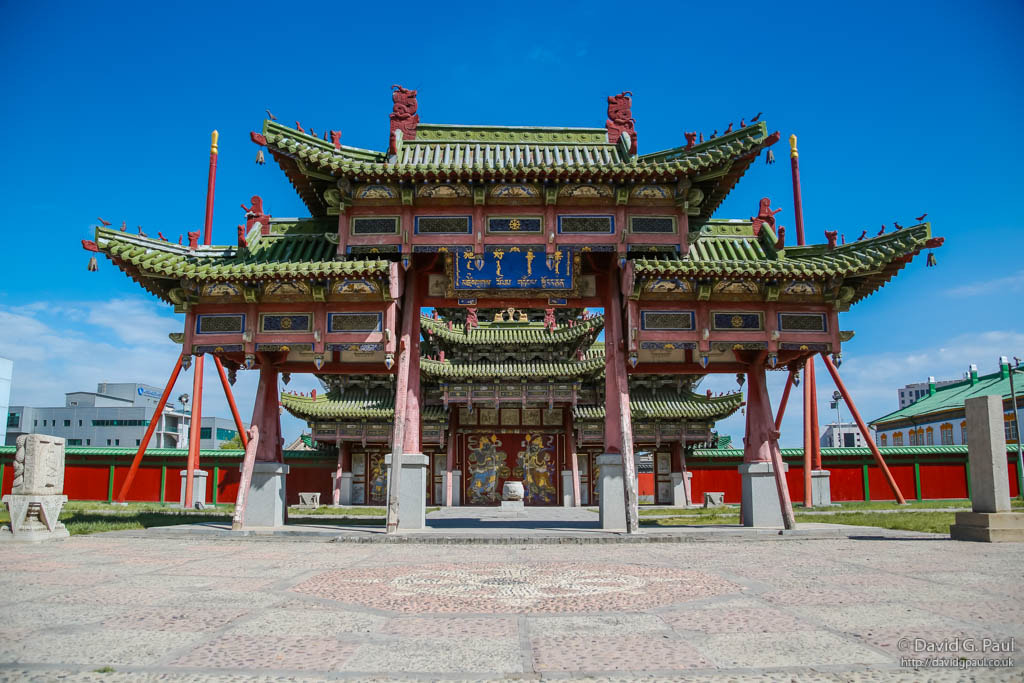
(492,459)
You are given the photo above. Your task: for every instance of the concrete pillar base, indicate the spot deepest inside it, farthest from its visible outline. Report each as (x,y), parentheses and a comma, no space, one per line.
(34,517)
(760,495)
(680,492)
(611,495)
(412,494)
(567,497)
(198,487)
(821,488)
(266,504)
(456,487)
(988,527)
(343,489)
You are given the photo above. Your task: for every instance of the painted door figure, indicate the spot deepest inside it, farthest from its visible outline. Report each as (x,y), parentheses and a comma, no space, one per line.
(377,491)
(492,459)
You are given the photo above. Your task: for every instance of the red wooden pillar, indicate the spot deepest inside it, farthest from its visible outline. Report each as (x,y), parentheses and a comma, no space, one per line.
(449,467)
(808,431)
(398,438)
(618,426)
(344,465)
(196,424)
(815,425)
(761,442)
(267,415)
(413,424)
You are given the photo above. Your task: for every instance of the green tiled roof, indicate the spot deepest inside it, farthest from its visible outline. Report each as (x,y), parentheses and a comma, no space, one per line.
(129,453)
(512,333)
(447,370)
(670,406)
(378,404)
(292,254)
(867,264)
(952,396)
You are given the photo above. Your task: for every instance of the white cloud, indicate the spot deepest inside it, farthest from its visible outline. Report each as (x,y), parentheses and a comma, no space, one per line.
(1010,283)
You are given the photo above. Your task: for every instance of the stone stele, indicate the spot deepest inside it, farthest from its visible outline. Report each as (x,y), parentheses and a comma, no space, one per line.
(36,496)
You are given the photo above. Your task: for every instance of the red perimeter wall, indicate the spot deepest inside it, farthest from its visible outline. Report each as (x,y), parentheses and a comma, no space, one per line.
(942,476)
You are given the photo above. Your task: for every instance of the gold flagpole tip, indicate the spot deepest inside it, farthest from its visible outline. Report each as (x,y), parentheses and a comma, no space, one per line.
(792,146)
(213,142)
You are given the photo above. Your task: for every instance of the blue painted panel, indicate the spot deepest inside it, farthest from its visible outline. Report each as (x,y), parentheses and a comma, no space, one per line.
(514,268)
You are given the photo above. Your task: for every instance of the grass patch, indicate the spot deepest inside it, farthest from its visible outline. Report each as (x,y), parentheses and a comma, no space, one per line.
(930,522)
(104,670)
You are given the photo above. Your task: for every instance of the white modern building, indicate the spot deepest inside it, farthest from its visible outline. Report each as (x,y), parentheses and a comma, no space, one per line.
(910,393)
(116,415)
(844,435)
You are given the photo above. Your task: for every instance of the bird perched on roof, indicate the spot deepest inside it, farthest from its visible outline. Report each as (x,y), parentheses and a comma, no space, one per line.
(897,225)
(270,116)
(862,235)
(921,217)
(756,117)
(882,231)
(103,222)
(729,129)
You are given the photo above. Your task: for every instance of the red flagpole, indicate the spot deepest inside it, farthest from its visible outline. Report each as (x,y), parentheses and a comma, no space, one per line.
(798,206)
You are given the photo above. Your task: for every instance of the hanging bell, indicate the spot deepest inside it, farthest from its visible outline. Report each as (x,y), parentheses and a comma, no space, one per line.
(633,359)
(796,379)
(704,360)
(837,358)
(93,265)
(259,158)
(389,361)
(773,359)
(930,261)
(286,377)
(186,361)
(740,378)
(318,360)
(250,361)
(770,158)
(232,376)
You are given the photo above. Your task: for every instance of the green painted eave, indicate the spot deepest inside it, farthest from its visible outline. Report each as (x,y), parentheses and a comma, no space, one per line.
(670,406)
(128,453)
(952,397)
(533,334)
(861,452)
(446,370)
(377,405)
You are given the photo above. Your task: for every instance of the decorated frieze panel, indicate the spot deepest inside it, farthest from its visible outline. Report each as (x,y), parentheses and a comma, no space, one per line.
(443,191)
(443,225)
(668,286)
(796,346)
(467,416)
(803,322)
(374,225)
(666,320)
(355,355)
(726,348)
(354,322)
(514,224)
(348,347)
(665,225)
(800,290)
(514,191)
(578,224)
(286,291)
(354,288)
(377,191)
(585,191)
(287,348)
(199,349)
(553,417)
(664,352)
(483,391)
(509,417)
(372,250)
(510,392)
(286,323)
(737,320)
(488,417)
(531,417)
(652,192)
(736,289)
(220,323)
(221,291)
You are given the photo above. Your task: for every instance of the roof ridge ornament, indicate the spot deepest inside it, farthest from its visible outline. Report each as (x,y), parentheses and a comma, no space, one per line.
(403,116)
(620,119)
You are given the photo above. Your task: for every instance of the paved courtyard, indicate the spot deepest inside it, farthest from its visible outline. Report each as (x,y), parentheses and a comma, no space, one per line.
(119,608)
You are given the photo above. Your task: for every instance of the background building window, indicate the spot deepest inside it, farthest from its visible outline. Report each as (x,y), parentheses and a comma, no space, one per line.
(74,442)
(13,419)
(897,439)
(930,436)
(67,423)
(204,432)
(946,432)
(884,439)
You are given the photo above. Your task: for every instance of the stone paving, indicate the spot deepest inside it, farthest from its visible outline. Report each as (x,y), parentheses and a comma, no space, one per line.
(117,608)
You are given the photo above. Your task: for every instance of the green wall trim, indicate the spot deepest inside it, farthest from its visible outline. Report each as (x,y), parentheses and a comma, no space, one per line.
(110,485)
(967,472)
(917,480)
(216,482)
(163,484)
(867,483)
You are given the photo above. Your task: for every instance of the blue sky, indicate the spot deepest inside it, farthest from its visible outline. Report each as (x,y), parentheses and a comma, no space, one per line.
(900,108)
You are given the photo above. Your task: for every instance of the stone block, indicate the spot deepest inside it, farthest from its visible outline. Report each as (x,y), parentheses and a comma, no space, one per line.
(988,527)
(760,495)
(309,499)
(456,476)
(512,506)
(34,517)
(513,490)
(198,487)
(567,498)
(682,491)
(342,489)
(412,493)
(611,494)
(986,452)
(266,503)
(714,499)
(38,465)
(821,488)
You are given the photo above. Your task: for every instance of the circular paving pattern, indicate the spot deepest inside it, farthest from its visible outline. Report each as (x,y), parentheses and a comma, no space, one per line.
(480,587)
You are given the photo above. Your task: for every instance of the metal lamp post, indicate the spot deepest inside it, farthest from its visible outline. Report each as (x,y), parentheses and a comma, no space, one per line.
(836,398)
